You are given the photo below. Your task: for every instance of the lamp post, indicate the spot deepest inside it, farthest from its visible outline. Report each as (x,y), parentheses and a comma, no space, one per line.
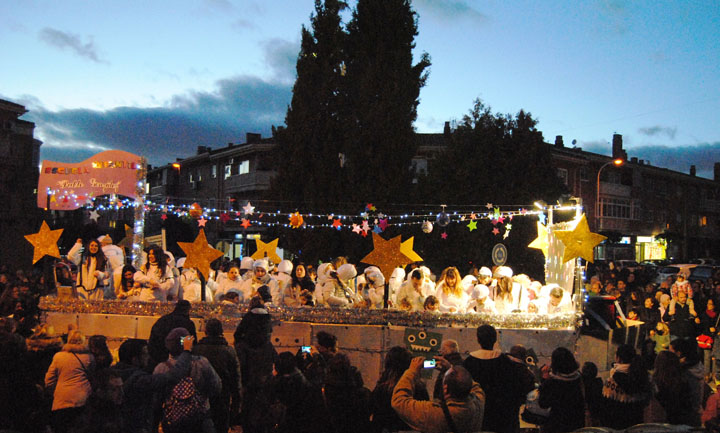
(616,162)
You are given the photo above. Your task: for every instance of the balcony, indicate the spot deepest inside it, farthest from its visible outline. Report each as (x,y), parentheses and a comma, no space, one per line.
(249,182)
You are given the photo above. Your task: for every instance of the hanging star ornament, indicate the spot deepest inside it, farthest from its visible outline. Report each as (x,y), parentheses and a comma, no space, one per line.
(45,242)
(268,250)
(386,255)
(245,223)
(579,242)
(249,209)
(444,235)
(199,254)
(495,231)
(94,215)
(383,224)
(224,217)
(336,223)
(489,205)
(541,242)
(472,225)
(407,248)
(356,229)
(201,222)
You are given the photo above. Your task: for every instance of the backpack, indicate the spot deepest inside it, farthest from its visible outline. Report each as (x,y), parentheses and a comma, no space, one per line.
(184,404)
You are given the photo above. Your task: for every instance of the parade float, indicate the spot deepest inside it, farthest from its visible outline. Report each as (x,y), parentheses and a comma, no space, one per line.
(365,334)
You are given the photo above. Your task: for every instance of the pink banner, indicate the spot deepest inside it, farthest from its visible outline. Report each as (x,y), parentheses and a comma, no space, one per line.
(64,186)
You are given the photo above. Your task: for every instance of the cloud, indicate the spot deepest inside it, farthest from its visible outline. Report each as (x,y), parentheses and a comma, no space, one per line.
(677,158)
(64,40)
(659,130)
(238,105)
(281,57)
(450,10)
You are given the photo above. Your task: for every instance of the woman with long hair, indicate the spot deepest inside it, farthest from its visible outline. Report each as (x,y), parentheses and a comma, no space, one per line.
(299,281)
(626,392)
(155,276)
(383,417)
(504,290)
(125,286)
(561,391)
(450,293)
(671,390)
(93,269)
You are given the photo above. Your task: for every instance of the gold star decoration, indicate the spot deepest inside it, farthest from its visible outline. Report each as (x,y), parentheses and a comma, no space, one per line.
(268,250)
(386,255)
(407,248)
(45,242)
(541,242)
(579,242)
(199,254)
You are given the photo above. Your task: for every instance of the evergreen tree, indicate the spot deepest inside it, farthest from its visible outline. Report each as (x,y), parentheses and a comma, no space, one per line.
(309,170)
(381,98)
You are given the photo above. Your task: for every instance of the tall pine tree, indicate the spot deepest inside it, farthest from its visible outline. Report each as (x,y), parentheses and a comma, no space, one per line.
(309,169)
(382,88)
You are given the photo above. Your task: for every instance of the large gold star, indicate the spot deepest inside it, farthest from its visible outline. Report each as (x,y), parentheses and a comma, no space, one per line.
(199,254)
(386,255)
(268,250)
(579,242)
(541,242)
(407,248)
(45,242)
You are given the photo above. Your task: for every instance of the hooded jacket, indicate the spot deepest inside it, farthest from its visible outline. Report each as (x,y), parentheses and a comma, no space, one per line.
(563,394)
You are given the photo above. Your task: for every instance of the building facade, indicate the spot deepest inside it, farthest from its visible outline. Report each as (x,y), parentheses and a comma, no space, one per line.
(19,162)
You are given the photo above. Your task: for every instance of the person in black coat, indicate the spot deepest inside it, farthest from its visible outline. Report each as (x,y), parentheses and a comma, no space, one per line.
(224,360)
(178,318)
(303,403)
(562,392)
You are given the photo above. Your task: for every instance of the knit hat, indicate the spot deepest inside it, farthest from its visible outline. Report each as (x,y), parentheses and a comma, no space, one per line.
(246,263)
(285,267)
(105,240)
(346,272)
(261,263)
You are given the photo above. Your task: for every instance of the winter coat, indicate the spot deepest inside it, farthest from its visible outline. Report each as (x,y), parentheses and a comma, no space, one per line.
(303,403)
(161,329)
(623,400)
(254,328)
(69,379)
(694,376)
(505,384)
(148,274)
(428,416)
(204,377)
(91,280)
(383,417)
(455,359)
(228,285)
(563,394)
(224,360)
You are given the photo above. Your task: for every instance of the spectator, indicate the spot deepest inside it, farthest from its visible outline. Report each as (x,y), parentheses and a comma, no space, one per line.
(593,392)
(346,399)
(692,371)
(99,348)
(449,350)
(562,392)
(384,418)
(69,378)
(463,398)
(257,356)
(626,392)
(502,381)
(178,318)
(672,391)
(223,359)
(682,314)
(139,386)
(204,378)
(325,349)
(302,402)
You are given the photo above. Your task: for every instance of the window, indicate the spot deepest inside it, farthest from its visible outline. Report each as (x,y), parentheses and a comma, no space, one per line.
(244,167)
(615,208)
(583,173)
(190,177)
(702,222)
(228,171)
(199,175)
(562,173)
(214,172)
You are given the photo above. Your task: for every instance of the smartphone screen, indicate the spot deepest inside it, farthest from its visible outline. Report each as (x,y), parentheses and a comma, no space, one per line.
(429,363)
(306,349)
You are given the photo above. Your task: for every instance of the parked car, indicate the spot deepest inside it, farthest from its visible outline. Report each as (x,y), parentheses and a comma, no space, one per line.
(705,261)
(672,270)
(702,272)
(630,265)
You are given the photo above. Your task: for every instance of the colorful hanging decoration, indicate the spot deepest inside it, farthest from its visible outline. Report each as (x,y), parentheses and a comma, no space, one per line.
(268,250)
(541,242)
(472,225)
(201,222)
(199,254)
(45,242)
(579,242)
(296,220)
(196,210)
(427,227)
(249,209)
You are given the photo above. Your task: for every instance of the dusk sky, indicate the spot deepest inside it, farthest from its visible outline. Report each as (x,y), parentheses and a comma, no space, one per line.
(161,78)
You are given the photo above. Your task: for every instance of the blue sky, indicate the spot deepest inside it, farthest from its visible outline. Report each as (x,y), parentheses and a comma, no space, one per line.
(159,81)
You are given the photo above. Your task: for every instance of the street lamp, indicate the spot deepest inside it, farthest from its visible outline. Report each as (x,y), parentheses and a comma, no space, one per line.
(616,162)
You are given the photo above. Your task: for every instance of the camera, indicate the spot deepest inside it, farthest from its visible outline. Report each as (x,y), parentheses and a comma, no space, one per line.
(182,340)
(429,363)
(305,349)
